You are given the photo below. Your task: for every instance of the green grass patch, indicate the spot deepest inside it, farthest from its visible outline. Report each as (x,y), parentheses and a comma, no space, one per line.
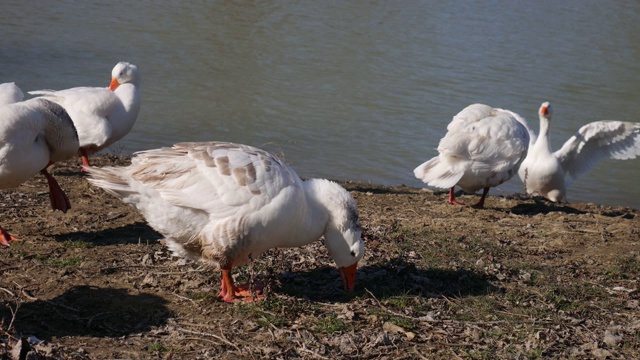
(330,324)
(402,232)
(73,261)
(403,322)
(399,302)
(206,297)
(77,244)
(274,310)
(17,249)
(475,308)
(156,347)
(627,268)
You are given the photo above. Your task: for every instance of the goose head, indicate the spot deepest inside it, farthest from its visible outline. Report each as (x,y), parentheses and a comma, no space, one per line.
(545,110)
(343,233)
(124,73)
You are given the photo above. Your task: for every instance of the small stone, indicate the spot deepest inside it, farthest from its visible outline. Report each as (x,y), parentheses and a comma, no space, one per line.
(149,280)
(622,289)
(147,260)
(44,350)
(349,314)
(392,328)
(612,339)
(601,354)
(182,262)
(432,315)
(589,346)
(632,304)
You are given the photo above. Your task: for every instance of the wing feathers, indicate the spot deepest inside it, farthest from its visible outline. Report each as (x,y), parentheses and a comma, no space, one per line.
(435,173)
(597,140)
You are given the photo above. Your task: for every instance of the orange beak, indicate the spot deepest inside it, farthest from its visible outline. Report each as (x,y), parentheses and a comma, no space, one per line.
(348,275)
(544,110)
(114,84)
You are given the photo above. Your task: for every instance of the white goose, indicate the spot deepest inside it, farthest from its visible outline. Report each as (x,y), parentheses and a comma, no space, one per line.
(102,116)
(227,203)
(547,173)
(483,148)
(34,134)
(10,93)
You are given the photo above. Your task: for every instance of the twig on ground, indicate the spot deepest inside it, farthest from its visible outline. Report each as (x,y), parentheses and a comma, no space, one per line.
(25,294)
(221,338)
(183,297)
(111,268)
(389,310)
(179,272)
(8,291)
(304,348)
(14,313)
(428,319)
(202,339)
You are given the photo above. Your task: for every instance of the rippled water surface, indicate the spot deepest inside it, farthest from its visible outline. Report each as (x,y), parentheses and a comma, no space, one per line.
(343,89)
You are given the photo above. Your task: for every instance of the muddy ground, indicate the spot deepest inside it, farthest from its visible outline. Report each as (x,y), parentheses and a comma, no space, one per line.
(520,279)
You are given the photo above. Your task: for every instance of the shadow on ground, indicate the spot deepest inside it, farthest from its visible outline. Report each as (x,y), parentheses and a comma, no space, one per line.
(396,278)
(128,234)
(541,206)
(89,311)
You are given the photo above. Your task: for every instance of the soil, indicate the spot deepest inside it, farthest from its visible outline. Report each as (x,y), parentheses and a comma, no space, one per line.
(522,278)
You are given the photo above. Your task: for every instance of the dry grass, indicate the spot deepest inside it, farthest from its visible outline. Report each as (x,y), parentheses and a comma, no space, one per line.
(521,279)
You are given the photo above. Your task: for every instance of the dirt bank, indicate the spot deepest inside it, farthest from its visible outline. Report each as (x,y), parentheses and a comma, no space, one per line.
(520,279)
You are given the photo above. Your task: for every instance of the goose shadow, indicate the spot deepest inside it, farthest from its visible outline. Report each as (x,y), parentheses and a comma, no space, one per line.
(396,278)
(89,311)
(128,234)
(543,206)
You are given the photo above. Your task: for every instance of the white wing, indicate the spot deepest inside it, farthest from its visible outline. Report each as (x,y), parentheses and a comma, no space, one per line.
(90,100)
(481,148)
(215,177)
(594,141)
(33,133)
(496,142)
(89,108)
(471,114)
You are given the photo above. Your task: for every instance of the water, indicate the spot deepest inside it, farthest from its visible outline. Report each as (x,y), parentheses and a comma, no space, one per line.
(343,90)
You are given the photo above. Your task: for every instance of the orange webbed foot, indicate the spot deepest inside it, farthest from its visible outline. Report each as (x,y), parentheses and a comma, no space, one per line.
(6,238)
(59,200)
(240,292)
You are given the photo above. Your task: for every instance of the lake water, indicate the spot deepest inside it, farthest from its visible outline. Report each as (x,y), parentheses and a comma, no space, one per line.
(354,90)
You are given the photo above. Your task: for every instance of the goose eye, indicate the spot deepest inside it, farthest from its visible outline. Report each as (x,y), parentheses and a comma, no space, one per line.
(353,253)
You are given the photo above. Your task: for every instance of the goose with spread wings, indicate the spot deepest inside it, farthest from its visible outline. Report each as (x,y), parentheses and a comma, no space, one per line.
(547,174)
